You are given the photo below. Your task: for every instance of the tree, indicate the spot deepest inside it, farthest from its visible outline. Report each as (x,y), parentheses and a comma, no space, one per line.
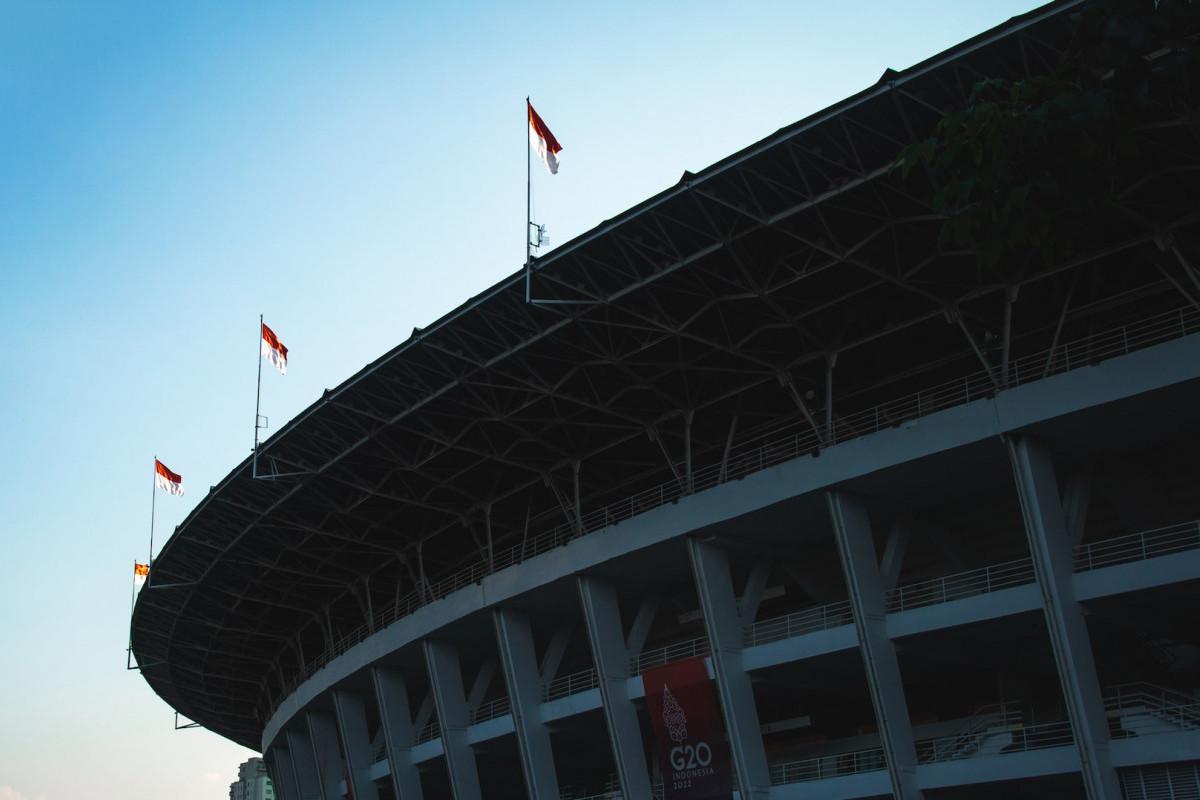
(1028,164)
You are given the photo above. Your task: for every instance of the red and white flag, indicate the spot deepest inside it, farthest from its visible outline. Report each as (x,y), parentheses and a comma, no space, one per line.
(169,482)
(543,141)
(273,349)
(140,571)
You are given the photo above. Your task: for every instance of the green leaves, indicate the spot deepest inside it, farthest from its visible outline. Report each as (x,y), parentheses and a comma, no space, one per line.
(1029,164)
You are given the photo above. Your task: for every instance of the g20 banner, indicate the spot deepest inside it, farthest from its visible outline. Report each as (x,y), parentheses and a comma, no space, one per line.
(687,723)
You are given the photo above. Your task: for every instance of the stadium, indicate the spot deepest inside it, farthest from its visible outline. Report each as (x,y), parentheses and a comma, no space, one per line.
(923,524)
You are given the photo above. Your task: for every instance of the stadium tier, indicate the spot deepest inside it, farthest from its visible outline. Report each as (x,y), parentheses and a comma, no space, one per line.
(800,495)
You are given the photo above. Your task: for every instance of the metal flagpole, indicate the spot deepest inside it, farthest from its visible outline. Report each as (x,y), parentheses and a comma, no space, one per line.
(132,600)
(257,399)
(153,496)
(528,202)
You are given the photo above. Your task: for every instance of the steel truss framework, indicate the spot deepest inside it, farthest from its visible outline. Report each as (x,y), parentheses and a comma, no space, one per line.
(795,282)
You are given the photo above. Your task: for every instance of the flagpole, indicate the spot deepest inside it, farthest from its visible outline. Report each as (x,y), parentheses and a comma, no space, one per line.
(257,400)
(132,600)
(153,496)
(528,201)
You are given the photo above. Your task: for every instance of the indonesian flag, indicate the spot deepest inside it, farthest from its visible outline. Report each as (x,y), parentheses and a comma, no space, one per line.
(169,482)
(543,141)
(140,571)
(273,349)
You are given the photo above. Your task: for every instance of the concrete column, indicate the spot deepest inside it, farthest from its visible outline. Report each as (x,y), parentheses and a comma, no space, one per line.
(1050,548)
(718,604)
(351,712)
(304,767)
(399,733)
(518,660)
(283,775)
(327,755)
(445,678)
(852,529)
(602,616)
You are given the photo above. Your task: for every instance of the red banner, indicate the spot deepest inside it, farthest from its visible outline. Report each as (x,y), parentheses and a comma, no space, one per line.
(687,723)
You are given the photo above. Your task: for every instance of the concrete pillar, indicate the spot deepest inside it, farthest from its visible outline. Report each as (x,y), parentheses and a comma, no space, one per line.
(602,616)
(304,766)
(350,708)
(852,529)
(518,660)
(399,733)
(1050,548)
(718,604)
(283,775)
(327,755)
(445,678)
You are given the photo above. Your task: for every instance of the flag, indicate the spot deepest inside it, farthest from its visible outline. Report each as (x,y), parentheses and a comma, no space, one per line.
(166,480)
(543,141)
(273,349)
(140,571)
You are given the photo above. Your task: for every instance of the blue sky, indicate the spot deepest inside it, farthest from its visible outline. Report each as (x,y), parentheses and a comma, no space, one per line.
(169,171)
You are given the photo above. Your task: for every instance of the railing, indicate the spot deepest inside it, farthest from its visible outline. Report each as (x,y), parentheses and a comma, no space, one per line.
(1167,719)
(777,447)
(821,618)
(490,710)
(963,584)
(612,789)
(970,738)
(1137,546)
(665,655)
(1127,695)
(1040,737)
(816,769)
(571,684)
(1160,710)
(429,732)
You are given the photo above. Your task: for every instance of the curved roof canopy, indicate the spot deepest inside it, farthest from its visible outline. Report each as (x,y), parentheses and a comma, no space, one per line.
(797,281)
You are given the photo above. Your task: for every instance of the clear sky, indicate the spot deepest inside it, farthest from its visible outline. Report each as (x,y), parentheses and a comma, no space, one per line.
(350,170)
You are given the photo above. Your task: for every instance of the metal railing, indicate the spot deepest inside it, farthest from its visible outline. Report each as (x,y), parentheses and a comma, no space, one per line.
(1040,737)
(429,732)
(831,615)
(1141,693)
(968,740)
(1137,546)
(963,584)
(665,655)
(571,684)
(490,710)
(786,444)
(1155,708)
(822,767)
(611,789)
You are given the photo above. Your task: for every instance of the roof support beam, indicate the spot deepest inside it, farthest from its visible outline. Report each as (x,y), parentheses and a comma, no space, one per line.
(714,588)
(445,679)
(399,732)
(602,615)
(852,530)
(514,637)
(1050,548)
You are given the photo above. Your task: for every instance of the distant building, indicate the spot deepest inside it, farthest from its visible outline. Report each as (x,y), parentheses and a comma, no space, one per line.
(252,782)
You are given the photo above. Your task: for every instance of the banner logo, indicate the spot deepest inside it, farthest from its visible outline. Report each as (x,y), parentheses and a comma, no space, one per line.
(693,755)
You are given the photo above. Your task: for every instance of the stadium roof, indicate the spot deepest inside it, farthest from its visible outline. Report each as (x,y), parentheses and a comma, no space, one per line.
(793,283)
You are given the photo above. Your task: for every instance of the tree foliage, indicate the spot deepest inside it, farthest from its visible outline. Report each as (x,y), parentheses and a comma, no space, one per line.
(1022,167)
